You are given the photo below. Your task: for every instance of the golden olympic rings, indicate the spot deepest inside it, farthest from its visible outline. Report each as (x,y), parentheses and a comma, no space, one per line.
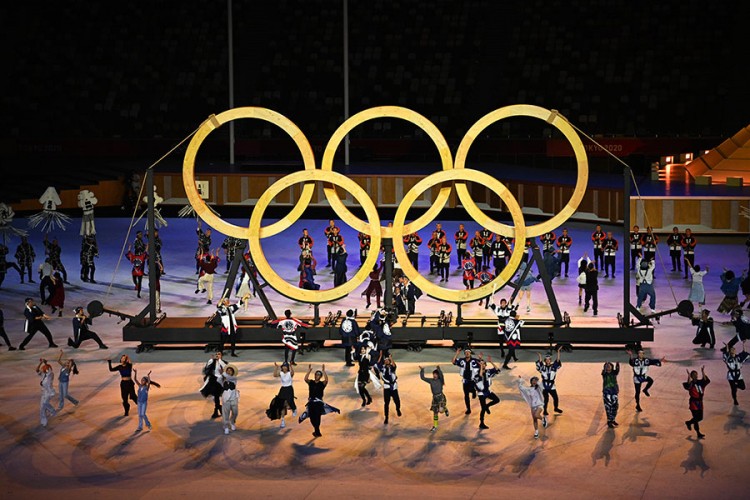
(499,189)
(551,117)
(457,174)
(264,268)
(387,112)
(188,170)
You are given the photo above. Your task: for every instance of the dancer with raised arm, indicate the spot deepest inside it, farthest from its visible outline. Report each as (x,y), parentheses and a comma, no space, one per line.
(439,402)
(641,364)
(483,381)
(548,370)
(364,358)
(468,367)
(610,392)
(213,381)
(316,407)
(696,387)
(67,369)
(144,385)
(47,383)
(286,393)
(390,387)
(534,398)
(502,312)
(229,329)
(127,387)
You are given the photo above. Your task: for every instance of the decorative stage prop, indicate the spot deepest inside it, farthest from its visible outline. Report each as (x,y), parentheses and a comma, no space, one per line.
(484,329)
(49,218)
(6,229)
(86,202)
(159,221)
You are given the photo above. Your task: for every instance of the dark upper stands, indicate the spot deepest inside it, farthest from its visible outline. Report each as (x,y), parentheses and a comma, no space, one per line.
(137,70)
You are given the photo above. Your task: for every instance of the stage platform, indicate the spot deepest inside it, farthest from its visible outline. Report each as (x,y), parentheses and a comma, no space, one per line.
(415,334)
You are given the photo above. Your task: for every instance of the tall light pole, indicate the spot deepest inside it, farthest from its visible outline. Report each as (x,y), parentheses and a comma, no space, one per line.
(231,79)
(346,77)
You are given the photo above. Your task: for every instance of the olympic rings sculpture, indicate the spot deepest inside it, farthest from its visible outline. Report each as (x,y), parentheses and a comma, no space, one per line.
(452,172)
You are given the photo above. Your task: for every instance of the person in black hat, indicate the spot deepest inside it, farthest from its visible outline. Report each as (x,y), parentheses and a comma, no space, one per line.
(35,323)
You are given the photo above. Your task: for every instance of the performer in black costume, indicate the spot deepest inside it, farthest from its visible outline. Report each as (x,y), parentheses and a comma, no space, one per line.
(390,387)
(635,246)
(734,369)
(482,383)
(502,312)
(460,238)
(204,245)
(468,367)
(213,380)
(564,242)
(548,370)
(35,323)
(597,238)
(315,407)
(610,247)
(640,365)
(500,251)
(674,242)
(89,252)
(688,247)
(229,330)
(349,331)
(25,256)
(127,387)
(705,332)
(696,387)
(54,252)
(5,265)
(81,331)
(413,242)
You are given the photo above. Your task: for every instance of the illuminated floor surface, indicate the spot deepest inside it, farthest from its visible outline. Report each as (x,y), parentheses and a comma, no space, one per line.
(92,449)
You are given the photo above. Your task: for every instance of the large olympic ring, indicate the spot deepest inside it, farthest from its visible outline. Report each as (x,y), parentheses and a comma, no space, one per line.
(457,174)
(387,112)
(556,120)
(264,268)
(519,232)
(188,170)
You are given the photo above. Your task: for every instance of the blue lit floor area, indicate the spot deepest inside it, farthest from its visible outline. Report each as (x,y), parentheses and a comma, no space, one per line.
(92,447)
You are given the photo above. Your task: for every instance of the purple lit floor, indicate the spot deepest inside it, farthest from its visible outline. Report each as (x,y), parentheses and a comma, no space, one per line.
(91,449)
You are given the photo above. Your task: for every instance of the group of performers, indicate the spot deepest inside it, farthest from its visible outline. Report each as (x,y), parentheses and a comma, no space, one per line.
(369,348)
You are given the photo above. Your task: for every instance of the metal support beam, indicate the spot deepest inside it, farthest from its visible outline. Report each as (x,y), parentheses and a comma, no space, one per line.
(626,306)
(239,261)
(151,247)
(388,272)
(536,256)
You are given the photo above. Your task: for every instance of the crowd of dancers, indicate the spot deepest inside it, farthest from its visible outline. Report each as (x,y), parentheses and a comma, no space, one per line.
(479,258)
(368,349)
